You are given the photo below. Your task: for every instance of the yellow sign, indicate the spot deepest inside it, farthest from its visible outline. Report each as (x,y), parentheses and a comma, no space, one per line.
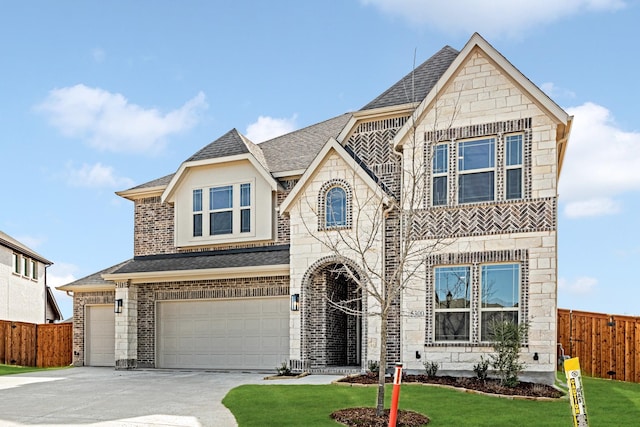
(576,393)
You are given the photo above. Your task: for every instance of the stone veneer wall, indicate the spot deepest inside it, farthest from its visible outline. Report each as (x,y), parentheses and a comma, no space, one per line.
(80,300)
(149,293)
(154,226)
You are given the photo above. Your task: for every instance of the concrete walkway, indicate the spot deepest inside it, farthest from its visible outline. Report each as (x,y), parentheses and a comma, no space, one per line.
(92,397)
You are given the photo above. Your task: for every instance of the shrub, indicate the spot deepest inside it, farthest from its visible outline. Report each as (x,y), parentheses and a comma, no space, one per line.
(481,368)
(284,369)
(508,338)
(431,368)
(373,366)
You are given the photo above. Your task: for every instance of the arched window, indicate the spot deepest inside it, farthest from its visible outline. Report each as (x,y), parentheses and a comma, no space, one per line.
(336,207)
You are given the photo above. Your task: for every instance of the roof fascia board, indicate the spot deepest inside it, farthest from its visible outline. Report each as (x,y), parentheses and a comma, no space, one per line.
(87,287)
(332,144)
(375,113)
(478,42)
(209,273)
(286,174)
(142,193)
(25,251)
(169,191)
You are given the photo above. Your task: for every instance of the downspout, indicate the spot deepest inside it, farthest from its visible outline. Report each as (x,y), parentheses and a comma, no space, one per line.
(46,294)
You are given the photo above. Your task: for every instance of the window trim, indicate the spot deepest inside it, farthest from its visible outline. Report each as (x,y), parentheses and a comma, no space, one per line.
(475,260)
(322,205)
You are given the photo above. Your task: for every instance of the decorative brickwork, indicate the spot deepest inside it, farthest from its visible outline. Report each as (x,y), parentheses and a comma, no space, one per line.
(322,195)
(486,219)
(372,143)
(474,259)
(393,232)
(149,293)
(496,129)
(80,301)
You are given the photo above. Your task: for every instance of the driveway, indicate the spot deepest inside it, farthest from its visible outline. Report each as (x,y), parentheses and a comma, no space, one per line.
(105,397)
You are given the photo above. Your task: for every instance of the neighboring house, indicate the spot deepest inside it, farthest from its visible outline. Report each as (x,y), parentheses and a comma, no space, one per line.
(24,294)
(232,265)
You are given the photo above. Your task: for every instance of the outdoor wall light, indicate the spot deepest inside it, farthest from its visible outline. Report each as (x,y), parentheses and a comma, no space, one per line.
(295,302)
(117,306)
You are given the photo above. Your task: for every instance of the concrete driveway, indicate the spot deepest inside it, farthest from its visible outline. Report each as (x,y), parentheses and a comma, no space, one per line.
(106,397)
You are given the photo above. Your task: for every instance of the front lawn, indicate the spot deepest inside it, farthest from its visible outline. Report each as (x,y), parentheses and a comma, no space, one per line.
(12,369)
(609,403)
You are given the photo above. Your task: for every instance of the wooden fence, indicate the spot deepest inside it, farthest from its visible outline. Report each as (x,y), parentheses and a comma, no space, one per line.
(28,344)
(608,346)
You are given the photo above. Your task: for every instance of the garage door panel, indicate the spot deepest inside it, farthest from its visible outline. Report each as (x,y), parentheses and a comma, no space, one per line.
(100,335)
(223,334)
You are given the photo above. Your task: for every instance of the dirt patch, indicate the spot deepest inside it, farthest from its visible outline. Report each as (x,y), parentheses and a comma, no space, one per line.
(366,417)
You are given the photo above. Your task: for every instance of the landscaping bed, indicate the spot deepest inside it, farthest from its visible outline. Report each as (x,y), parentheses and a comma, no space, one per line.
(488,386)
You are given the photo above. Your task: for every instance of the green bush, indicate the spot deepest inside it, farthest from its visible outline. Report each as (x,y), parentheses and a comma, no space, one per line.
(481,368)
(284,369)
(431,368)
(508,339)
(373,366)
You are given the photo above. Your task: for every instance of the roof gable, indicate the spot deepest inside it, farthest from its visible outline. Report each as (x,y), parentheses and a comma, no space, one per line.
(333,146)
(477,42)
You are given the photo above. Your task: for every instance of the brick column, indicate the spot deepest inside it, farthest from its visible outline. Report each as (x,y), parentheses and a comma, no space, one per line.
(127,327)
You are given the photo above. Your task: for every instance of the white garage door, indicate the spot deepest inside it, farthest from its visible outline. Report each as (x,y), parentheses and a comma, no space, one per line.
(100,335)
(223,334)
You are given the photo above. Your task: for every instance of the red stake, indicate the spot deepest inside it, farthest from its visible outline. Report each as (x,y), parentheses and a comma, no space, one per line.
(395,396)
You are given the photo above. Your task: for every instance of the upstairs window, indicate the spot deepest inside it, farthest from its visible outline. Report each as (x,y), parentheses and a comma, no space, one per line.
(245,208)
(34,270)
(25,267)
(440,171)
(197,212)
(221,210)
(513,165)
(476,170)
(336,207)
(16,263)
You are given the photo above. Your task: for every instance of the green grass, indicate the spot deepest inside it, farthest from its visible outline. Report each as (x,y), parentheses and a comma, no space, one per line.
(12,369)
(609,403)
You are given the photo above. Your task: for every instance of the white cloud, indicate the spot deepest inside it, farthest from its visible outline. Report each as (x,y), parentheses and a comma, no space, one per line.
(267,128)
(108,121)
(490,18)
(601,163)
(99,55)
(555,92)
(581,286)
(95,176)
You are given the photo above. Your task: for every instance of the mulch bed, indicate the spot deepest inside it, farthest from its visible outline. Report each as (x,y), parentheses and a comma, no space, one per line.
(490,386)
(366,417)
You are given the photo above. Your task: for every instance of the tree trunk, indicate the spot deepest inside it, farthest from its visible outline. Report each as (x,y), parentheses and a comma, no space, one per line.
(382,371)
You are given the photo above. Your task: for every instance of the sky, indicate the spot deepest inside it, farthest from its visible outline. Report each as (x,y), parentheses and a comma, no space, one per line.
(97,97)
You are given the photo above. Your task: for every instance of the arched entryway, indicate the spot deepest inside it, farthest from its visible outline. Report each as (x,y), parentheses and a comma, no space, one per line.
(332,313)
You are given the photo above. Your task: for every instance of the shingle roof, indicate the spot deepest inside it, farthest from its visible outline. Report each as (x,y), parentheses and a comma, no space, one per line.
(95,278)
(415,86)
(245,257)
(158,182)
(10,242)
(229,144)
(296,150)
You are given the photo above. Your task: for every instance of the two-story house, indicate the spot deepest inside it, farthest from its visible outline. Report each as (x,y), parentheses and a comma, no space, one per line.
(243,255)
(24,294)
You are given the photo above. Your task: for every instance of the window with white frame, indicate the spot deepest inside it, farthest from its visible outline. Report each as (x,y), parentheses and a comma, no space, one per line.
(34,269)
(335,207)
(230,210)
(476,170)
(197,212)
(440,171)
(513,167)
(453,303)
(500,296)
(498,288)
(25,267)
(16,263)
